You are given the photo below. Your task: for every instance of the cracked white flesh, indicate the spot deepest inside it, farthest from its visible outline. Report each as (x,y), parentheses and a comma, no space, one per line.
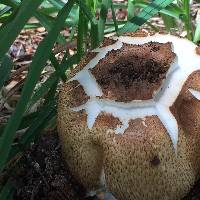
(186,62)
(195,93)
(87,80)
(123,111)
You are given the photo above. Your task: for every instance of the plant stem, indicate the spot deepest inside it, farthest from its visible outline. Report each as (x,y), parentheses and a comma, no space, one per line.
(82,35)
(187,19)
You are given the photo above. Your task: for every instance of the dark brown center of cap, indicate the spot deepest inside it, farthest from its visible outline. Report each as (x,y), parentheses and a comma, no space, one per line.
(133,72)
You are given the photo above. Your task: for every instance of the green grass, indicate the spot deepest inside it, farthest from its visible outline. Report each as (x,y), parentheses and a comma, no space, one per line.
(80,17)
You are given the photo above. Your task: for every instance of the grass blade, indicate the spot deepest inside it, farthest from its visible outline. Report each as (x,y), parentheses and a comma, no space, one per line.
(94,36)
(4,10)
(149,11)
(44,20)
(5,69)
(197,33)
(66,64)
(120,5)
(39,124)
(130,9)
(114,18)
(33,132)
(41,56)
(87,11)
(25,122)
(187,19)
(58,4)
(170,22)
(106,4)
(56,65)
(82,35)
(41,91)
(7,191)
(9,3)
(171,10)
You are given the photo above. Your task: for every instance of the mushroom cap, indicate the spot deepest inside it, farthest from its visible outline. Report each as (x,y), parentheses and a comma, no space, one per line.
(128,118)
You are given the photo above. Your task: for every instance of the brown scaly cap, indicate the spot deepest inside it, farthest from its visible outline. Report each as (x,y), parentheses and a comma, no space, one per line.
(125,75)
(140,163)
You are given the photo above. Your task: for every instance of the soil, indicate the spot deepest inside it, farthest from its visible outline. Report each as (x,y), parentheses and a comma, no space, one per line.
(44,175)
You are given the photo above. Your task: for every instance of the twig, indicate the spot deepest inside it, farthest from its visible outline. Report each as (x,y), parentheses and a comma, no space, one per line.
(19,71)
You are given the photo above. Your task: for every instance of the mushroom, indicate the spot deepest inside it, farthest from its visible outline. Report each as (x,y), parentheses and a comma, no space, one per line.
(129,120)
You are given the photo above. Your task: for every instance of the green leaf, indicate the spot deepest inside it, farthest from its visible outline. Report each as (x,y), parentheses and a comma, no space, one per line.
(45,20)
(7,191)
(94,36)
(39,60)
(75,24)
(84,8)
(186,18)
(32,26)
(112,29)
(169,22)
(11,3)
(114,18)
(39,124)
(41,91)
(4,10)
(131,7)
(171,10)
(66,64)
(149,11)
(45,115)
(52,93)
(48,11)
(9,18)
(5,69)
(56,65)
(105,5)
(120,5)
(25,122)
(57,3)
(82,34)
(197,33)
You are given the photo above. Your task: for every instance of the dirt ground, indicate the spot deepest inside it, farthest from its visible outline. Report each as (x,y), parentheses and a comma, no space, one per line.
(43,175)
